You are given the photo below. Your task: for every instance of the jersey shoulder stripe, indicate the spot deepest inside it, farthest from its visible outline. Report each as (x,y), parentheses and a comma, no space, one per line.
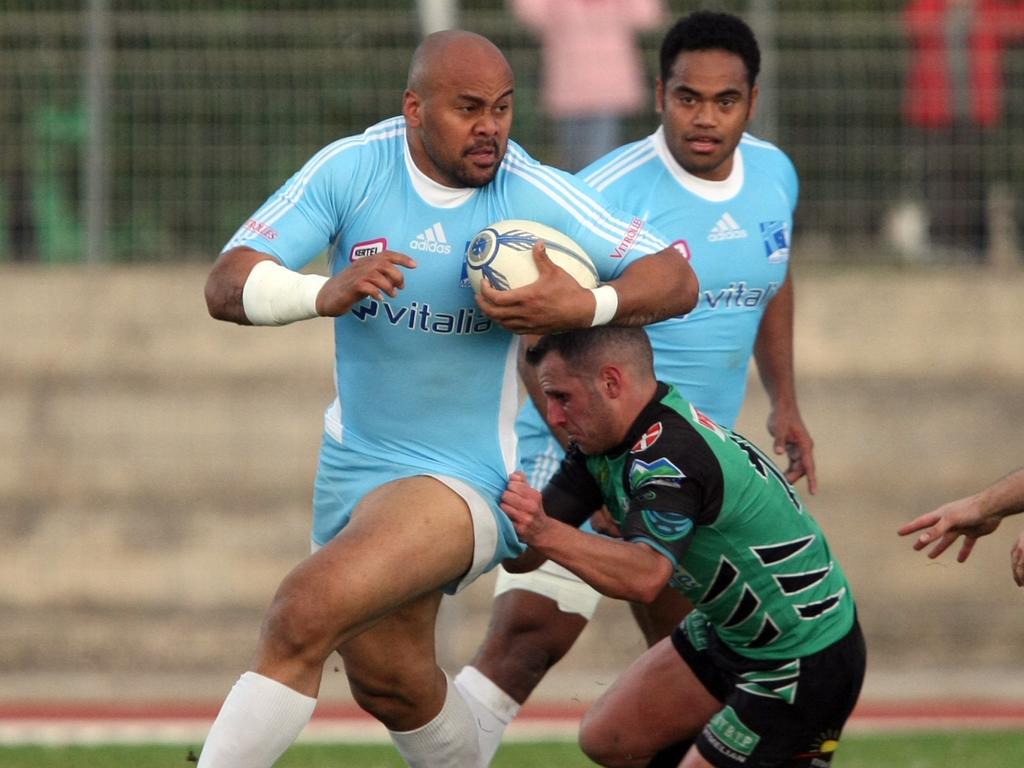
(380,132)
(590,212)
(765,158)
(630,158)
(581,206)
(292,192)
(552,183)
(751,140)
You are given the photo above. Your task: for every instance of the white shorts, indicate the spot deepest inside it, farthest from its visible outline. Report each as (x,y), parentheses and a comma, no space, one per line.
(553,581)
(344,476)
(485,533)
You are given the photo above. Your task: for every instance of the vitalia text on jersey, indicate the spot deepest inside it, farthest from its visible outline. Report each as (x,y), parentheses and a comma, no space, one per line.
(738,295)
(419,317)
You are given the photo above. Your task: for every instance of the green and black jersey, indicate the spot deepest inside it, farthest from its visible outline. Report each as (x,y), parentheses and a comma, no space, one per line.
(747,553)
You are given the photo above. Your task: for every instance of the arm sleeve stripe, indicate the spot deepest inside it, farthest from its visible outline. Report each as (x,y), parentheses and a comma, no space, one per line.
(278,205)
(584,209)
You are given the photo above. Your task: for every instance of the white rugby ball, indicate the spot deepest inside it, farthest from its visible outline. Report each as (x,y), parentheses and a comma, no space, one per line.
(503,253)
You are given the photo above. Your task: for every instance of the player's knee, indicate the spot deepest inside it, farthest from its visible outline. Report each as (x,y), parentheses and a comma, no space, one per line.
(522,653)
(603,749)
(538,651)
(389,699)
(601,741)
(294,631)
(537,633)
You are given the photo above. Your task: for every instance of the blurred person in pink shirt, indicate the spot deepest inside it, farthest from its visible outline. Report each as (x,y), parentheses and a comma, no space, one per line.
(953,101)
(593,72)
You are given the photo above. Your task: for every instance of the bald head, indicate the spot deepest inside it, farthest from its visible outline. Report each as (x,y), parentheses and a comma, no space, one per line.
(458,108)
(445,55)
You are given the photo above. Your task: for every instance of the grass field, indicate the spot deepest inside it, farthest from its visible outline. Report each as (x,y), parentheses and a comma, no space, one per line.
(992,749)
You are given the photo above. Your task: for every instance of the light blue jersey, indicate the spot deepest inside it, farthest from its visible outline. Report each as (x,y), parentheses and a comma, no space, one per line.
(425,380)
(736,234)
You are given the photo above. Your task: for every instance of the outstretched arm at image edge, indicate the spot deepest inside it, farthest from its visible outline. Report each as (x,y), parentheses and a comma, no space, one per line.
(972,517)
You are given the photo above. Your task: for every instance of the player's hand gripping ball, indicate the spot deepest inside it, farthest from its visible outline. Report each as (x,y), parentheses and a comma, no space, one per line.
(503,253)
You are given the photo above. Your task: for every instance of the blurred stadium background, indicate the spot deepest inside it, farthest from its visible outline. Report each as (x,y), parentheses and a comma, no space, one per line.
(146,131)
(155,466)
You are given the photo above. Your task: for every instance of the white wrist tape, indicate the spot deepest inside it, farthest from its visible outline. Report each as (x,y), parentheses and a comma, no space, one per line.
(275,295)
(606,304)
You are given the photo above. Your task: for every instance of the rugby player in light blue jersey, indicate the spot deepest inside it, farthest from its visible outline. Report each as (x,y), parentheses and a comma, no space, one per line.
(726,199)
(419,444)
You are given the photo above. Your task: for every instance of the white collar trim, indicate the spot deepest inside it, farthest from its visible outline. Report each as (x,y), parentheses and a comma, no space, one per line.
(436,194)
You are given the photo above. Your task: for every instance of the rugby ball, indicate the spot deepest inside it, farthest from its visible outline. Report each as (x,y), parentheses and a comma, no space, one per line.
(503,253)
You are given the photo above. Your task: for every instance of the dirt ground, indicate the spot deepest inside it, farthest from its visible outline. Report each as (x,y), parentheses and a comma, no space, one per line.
(156,467)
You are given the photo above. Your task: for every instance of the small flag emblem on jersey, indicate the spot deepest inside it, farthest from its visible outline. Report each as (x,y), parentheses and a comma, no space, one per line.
(647,439)
(776,241)
(661,471)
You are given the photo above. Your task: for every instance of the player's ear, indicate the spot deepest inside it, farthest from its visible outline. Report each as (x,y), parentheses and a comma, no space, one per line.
(610,381)
(659,96)
(752,112)
(412,106)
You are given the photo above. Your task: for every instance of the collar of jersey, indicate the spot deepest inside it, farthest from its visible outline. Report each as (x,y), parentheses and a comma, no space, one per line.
(436,194)
(714,191)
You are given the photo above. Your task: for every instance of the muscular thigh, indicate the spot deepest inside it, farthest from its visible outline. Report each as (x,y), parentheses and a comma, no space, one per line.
(656,702)
(405,539)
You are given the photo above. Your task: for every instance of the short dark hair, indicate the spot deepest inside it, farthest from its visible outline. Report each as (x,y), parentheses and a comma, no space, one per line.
(584,349)
(708,30)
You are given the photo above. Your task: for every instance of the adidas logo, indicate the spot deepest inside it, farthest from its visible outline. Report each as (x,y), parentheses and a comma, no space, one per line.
(726,228)
(431,240)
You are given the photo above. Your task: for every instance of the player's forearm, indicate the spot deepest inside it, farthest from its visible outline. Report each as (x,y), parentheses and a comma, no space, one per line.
(251,288)
(615,568)
(1003,498)
(655,288)
(226,282)
(773,348)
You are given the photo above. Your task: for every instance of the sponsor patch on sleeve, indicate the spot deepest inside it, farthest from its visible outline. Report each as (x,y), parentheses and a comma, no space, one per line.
(367,248)
(658,472)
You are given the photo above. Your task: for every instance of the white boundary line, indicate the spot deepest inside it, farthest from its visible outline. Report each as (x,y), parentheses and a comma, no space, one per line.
(50,732)
(356,730)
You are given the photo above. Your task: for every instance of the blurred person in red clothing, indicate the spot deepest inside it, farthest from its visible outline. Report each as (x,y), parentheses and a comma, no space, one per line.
(593,73)
(954,101)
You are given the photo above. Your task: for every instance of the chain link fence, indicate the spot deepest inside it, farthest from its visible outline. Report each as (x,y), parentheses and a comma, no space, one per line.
(152,136)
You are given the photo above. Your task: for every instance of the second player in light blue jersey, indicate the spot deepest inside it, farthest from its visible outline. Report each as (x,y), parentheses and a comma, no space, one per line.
(419,443)
(726,200)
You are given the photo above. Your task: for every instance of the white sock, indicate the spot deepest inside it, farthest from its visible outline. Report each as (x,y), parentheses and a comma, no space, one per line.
(491,706)
(259,720)
(450,739)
